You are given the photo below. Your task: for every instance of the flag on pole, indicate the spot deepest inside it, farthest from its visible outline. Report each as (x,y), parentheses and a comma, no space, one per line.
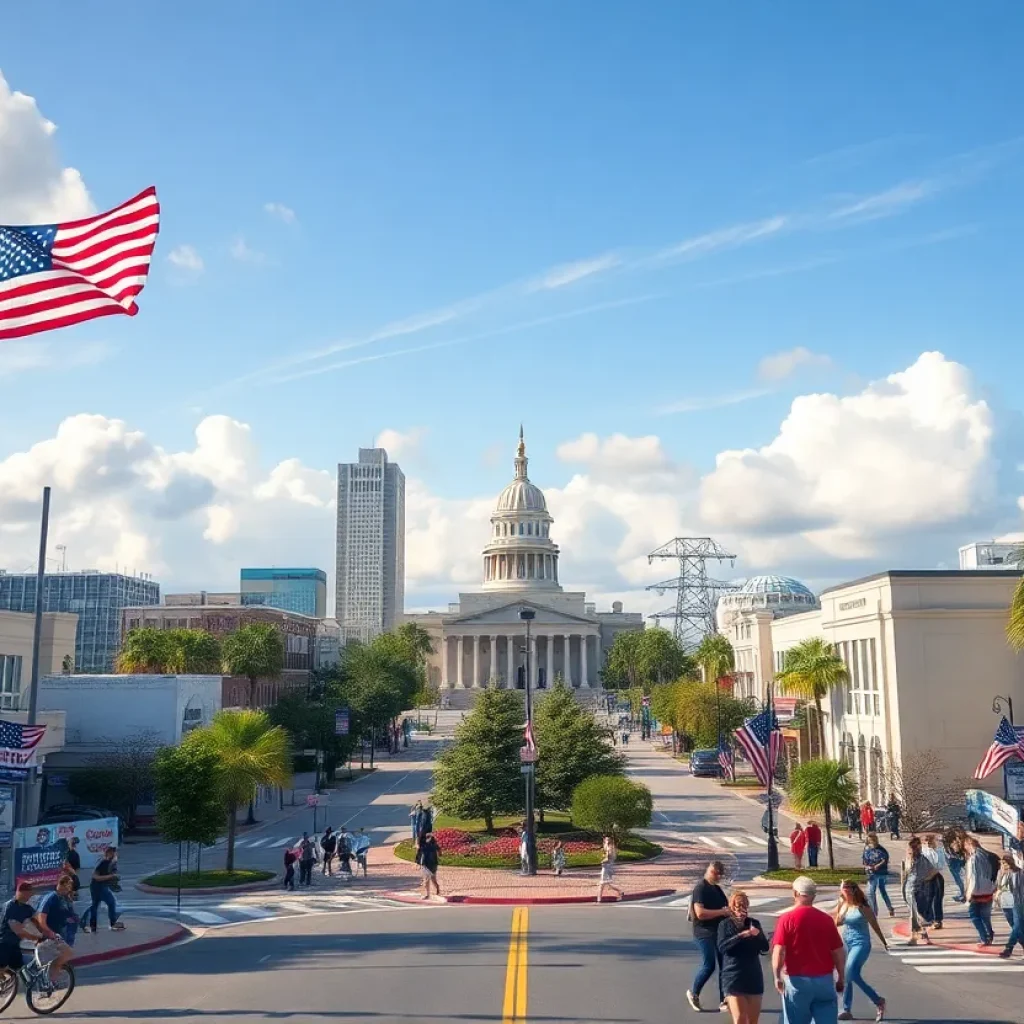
(528,737)
(1005,745)
(762,741)
(54,275)
(725,759)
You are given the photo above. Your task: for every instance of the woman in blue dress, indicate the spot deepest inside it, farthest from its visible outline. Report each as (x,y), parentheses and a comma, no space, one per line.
(858,921)
(742,943)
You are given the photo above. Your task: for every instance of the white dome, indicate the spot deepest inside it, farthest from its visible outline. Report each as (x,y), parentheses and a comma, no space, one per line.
(521,496)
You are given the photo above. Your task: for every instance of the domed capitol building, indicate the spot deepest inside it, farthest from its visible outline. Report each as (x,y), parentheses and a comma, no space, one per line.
(481,640)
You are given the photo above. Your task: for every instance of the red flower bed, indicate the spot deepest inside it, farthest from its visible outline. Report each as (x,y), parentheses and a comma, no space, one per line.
(454,840)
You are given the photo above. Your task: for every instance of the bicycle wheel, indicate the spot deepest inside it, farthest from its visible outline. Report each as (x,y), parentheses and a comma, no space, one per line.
(8,988)
(44,996)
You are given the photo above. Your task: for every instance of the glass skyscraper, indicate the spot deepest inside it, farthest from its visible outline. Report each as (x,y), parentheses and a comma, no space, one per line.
(293,590)
(95,597)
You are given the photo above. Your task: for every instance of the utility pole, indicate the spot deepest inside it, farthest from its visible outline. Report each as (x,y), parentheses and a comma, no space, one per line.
(773,845)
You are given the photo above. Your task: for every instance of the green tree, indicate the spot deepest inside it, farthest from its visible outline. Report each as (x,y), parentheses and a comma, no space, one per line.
(189,808)
(698,706)
(622,665)
(144,650)
(661,657)
(478,775)
(571,747)
(193,652)
(255,651)
(252,752)
(715,656)
(611,805)
(811,670)
(818,787)
(1015,619)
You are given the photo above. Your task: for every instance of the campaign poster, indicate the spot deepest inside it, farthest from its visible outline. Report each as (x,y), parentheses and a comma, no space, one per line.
(40,850)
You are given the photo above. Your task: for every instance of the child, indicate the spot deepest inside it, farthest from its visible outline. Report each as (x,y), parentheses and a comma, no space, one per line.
(558,857)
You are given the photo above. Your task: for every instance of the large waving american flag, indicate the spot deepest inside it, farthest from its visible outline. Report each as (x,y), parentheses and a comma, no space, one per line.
(762,741)
(1006,744)
(54,275)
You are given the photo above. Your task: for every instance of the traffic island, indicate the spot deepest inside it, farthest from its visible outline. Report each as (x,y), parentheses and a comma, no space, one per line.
(207,883)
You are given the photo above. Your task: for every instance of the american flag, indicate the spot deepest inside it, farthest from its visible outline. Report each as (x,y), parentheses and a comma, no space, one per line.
(528,737)
(54,275)
(1006,744)
(762,741)
(725,759)
(18,743)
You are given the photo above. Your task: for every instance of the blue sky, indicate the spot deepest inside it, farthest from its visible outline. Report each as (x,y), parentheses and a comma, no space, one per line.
(596,213)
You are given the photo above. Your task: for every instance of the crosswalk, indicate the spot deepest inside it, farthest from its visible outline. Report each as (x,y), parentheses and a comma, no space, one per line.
(217,912)
(727,842)
(282,841)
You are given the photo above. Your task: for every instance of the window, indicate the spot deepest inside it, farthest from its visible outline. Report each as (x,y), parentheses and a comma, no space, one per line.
(529,529)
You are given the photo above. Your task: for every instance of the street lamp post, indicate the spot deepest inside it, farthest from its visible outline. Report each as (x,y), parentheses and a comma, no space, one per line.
(773,846)
(998,701)
(527,615)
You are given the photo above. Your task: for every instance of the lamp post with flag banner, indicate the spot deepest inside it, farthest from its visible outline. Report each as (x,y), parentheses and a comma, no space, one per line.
(761,740)
(998,701)
(529,754)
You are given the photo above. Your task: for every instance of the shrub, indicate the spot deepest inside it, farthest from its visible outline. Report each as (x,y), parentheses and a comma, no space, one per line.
(611,805)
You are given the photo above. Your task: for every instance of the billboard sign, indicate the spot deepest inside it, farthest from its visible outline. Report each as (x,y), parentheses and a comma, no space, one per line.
(341,722)
(40,850)
(997,812)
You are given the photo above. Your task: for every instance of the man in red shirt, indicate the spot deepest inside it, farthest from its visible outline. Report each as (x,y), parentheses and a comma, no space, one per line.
(813,834)
(806,945)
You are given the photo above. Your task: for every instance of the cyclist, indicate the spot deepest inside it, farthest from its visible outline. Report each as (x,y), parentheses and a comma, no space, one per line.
(14,920)
(52,918)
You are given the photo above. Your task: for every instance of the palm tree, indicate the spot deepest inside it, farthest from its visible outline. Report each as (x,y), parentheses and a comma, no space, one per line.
(717,658)
(1015,621)
(144,651)
(812,669)
(251,752)
(816,787)
(255,651)
(193,652)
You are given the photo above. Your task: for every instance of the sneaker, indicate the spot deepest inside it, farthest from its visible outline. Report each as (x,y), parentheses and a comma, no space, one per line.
(937,927)
(117,927)
(880,1010)
(723,1007)
(845,1015)
(1006,954)
(693,1000)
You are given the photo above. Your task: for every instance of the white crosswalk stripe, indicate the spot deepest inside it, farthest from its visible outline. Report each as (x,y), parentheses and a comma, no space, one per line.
(204,917)
(732,841)
(937,960)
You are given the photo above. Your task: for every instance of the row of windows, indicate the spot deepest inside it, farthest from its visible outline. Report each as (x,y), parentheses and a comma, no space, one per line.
(530,529)
(10,680)
(859,656)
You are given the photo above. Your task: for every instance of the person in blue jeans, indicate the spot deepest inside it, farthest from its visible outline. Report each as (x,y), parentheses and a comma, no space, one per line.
(808,960)
(103,877)
(1010,894)
(858,920)
(708,908)
(876,866)
(956,858)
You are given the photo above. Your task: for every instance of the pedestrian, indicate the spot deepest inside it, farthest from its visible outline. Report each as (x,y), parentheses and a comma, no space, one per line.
(328,847)
(741,943)
(956,858)
(858,921)
(808,960)
(980,887)
(289,869)
(73,864)
(875,859)
(708,908)
(344,849)
(428,856)
(360,844)
(867,817)
(813,834)
(1010,890)
(101,889)
(608,859)
(427,821)
(558,857)
(797,845)
(307,856)
(893,812)
(937,855)
(416,819)
(917,871)
(15,919)
(853,819)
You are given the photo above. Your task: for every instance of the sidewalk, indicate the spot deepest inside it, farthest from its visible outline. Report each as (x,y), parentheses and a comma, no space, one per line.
(958,933)
(140,935)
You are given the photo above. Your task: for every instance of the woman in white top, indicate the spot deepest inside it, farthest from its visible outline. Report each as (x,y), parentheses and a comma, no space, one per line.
(1010,894)
(937,857)
(608,868)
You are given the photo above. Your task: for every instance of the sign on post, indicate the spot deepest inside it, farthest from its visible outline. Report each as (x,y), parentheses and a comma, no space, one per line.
(6,815)
(313,800)
(998,812)
(341,722)
(527,756)
(1014,772)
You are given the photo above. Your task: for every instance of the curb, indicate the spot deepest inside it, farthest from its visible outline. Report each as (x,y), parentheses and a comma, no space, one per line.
(536,901)
(902,929)
(178,935)
(223,890)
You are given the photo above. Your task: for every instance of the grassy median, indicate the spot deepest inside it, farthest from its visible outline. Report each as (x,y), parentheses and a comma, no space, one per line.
(823,876)
(207,879)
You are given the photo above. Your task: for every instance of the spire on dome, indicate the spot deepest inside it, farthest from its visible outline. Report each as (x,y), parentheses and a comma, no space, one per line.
(521,459)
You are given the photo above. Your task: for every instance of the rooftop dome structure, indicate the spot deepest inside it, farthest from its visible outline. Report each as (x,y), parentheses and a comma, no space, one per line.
(521,555)
(780,595)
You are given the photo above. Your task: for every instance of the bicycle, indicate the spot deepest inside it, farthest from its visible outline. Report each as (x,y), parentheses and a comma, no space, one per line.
(42,995)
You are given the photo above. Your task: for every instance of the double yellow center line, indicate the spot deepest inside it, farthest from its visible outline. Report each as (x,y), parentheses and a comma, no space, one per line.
(514,1006)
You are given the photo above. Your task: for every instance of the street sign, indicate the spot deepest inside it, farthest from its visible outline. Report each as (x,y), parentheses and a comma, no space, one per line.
(526,769)
(527,756)
(1001,814)
(6,815)
(1014,781)
(341,722)
(313,800)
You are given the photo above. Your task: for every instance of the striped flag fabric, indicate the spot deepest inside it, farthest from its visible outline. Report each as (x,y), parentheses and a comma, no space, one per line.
(18,743)
(725,759)
(1006,744)
(55,275)
(528,737)
(761,740)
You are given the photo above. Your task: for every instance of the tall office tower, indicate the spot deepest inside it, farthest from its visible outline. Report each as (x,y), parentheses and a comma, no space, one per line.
(370,565)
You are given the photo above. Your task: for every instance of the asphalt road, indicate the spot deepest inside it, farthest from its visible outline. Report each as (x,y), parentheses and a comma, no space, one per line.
(617,964)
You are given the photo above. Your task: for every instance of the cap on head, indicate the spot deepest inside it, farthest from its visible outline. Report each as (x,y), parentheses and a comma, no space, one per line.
(804,886)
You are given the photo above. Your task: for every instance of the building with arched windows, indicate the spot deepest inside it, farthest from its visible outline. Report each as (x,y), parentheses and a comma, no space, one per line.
(481,640)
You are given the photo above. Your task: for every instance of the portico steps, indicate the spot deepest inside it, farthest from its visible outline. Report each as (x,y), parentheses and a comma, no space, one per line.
(464,699)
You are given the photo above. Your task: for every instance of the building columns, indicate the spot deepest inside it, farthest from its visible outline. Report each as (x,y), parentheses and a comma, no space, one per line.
(476,662)
(567,669)
(533,661)
(445,681)
(550,673)
(584,683)
(492,664)
(510,677)
(458,668)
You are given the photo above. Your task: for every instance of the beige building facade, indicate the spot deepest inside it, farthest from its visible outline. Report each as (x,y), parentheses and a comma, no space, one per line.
(16,630)
(926,652)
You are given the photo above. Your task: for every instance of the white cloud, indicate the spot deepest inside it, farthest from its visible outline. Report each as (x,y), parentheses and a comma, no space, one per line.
(52,356)
(402,445)
(186,259)
(887,203)
(281,212)
(244,253)
(570,273)
(702,403)
(784,364)
(34,186)
(726,238)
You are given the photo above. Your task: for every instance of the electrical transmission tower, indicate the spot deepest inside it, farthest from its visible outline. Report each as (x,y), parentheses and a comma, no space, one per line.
(696,593)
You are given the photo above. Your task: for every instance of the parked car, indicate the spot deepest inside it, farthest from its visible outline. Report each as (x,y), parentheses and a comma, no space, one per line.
(704,764)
